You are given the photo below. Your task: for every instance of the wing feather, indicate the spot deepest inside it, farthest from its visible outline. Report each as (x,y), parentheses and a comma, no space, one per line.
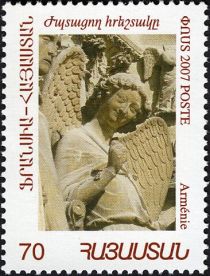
(150,158)
(62,90)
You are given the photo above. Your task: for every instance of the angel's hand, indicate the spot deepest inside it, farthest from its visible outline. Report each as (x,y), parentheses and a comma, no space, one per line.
(117,155)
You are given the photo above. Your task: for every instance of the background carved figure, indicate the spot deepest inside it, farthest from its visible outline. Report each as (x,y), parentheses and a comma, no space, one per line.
(115,166)
(159,70)
(51,206)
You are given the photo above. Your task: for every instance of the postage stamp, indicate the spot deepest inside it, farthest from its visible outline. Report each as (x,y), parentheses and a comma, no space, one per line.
(104,137)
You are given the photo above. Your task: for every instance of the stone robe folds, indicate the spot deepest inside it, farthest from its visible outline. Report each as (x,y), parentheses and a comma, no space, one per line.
(118,207)
(51,205)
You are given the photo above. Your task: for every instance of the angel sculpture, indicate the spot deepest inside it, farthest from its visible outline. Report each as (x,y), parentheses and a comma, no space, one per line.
(160,71)
(51,206)
(109,181)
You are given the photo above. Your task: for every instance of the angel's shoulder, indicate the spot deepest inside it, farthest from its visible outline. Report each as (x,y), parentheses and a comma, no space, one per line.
(76,139)
(72,136)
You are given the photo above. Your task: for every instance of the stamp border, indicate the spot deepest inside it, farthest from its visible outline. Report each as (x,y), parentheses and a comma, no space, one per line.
(206,127)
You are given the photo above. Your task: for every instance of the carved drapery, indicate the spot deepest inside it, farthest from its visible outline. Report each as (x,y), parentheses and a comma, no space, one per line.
(111,54)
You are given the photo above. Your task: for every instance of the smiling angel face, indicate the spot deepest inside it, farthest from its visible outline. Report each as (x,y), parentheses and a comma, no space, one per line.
(47,50)
(120,108)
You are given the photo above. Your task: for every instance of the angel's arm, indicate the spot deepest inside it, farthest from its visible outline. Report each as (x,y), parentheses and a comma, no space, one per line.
(92,187)
(83,173)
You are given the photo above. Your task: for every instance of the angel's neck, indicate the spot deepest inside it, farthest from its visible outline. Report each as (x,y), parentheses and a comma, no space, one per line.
(102,131)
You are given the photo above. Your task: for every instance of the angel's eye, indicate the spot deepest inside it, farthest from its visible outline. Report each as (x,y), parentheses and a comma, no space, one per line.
(133,109)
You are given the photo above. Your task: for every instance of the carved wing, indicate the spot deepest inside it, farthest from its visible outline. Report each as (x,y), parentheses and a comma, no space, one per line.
(61,94)
(150,159)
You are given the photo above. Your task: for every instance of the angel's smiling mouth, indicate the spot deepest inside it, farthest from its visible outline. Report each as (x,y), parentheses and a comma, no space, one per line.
(121,117)
(118,117)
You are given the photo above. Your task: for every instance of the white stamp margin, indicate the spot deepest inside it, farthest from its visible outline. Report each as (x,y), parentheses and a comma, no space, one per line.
(62,249)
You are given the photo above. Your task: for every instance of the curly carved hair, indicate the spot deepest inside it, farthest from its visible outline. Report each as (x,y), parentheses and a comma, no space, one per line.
(107,87)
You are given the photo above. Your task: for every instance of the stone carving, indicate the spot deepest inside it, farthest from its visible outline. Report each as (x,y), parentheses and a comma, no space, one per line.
(92,172)
(94,47)
(150,159)
(51,205)
(159,70)
(62,91)
(120,63)
(107,54)
(112,174)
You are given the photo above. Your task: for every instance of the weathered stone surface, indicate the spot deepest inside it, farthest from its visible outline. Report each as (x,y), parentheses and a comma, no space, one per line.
(77,74)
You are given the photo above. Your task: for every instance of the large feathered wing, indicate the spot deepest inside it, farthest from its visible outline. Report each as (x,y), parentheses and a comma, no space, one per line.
(61,94)
(150,161)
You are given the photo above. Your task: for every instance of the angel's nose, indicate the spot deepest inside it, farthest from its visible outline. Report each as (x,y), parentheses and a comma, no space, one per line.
(124,109)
